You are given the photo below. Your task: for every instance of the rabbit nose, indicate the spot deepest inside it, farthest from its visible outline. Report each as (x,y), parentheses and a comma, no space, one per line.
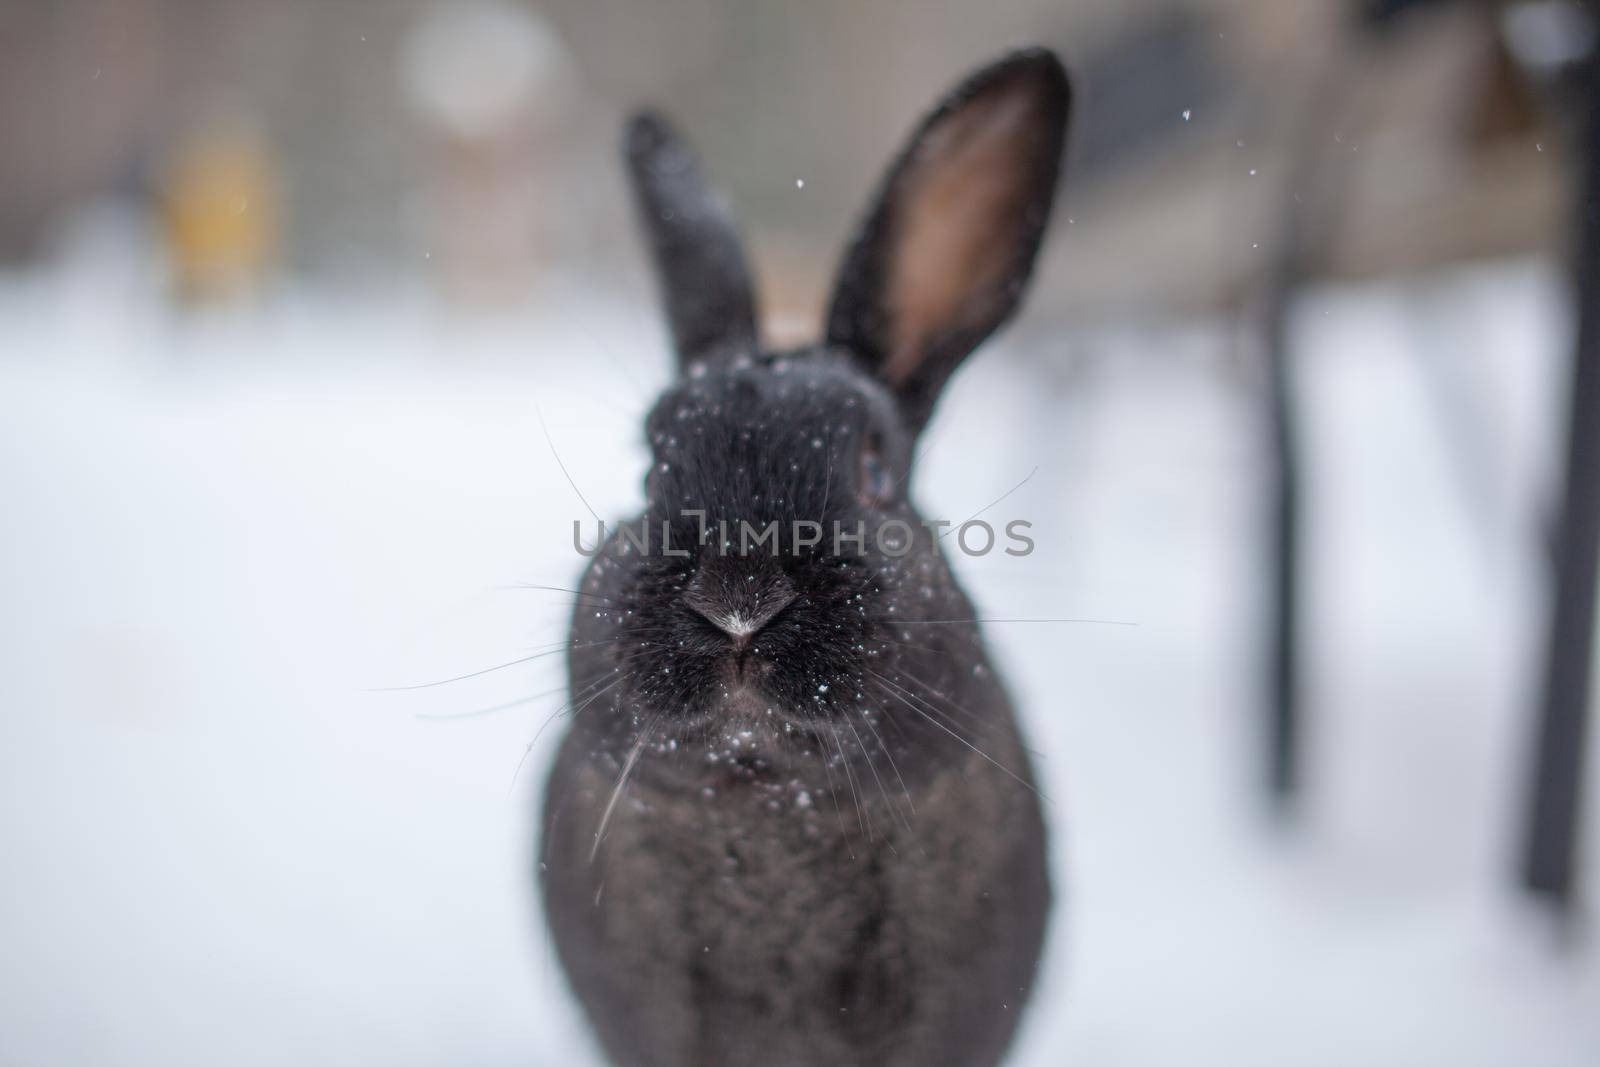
(738,601)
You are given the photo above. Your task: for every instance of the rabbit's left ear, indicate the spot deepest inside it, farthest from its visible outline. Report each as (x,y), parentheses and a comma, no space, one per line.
(699,260)
(946,249)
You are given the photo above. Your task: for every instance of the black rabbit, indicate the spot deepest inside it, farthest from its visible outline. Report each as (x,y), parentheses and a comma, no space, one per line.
(792,822)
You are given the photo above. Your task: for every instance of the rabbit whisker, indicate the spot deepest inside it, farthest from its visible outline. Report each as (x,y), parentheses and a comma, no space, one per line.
(978,725)
(622,782)
(551,442)
(850,776)
(545,650)
(919,648)
(866,718)
(911,468)
(991,503)
(977,720)
(559,589)
(882,790)
(557,714)
(974,622)
(490,710)
(1002,767)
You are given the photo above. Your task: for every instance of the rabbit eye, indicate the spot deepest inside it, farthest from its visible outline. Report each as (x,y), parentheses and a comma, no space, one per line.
(873,483)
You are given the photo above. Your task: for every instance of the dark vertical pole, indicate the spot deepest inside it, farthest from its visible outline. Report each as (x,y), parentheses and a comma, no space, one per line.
(1311,203)
(1558,776)
(1282,692)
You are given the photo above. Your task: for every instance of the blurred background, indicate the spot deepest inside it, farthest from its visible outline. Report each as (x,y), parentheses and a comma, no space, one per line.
(286,290)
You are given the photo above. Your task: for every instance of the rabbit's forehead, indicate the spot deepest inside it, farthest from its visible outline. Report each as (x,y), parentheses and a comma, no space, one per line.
(770,399)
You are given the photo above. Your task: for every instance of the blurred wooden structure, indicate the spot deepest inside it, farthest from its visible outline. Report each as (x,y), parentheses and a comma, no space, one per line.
(1318,206)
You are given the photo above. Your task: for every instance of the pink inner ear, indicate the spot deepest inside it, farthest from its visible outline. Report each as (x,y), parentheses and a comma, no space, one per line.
(963,204)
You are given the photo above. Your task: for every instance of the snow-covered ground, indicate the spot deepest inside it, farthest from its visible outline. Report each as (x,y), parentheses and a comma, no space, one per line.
(220,534)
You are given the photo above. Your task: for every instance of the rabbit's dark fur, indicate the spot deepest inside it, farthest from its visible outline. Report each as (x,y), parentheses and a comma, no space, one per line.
(792,821)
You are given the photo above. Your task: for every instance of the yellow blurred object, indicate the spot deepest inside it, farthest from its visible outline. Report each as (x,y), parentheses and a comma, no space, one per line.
(220,214)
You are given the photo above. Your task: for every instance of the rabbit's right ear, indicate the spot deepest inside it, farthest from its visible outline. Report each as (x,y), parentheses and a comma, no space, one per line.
(946,249)
(699,261)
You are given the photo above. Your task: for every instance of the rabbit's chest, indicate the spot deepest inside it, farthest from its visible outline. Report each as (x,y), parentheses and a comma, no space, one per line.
(742,927)
(746,890)
(729,925)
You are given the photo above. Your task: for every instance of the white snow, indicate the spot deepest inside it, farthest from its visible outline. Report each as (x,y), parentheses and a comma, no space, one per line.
(221,533)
